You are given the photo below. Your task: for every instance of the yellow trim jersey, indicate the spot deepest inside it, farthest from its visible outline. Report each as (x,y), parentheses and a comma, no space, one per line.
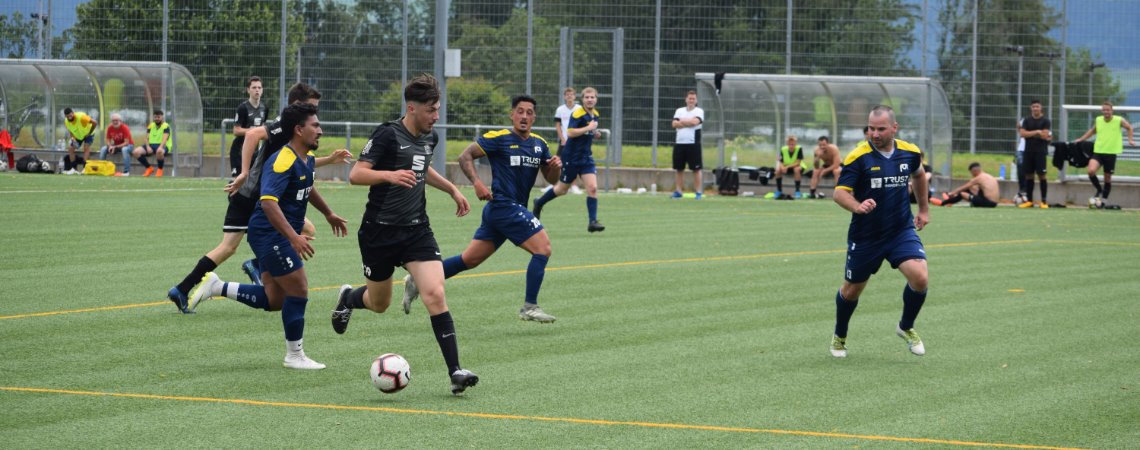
(867,173)
(289,183)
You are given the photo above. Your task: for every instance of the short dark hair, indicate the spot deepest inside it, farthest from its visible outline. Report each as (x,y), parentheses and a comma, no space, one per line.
(423,89)
(523,98)
(975,165)
(879,110)
(67,111)
(301,92)
(158,112)
(866,128)
(825,139)
(1035,101)
(252,79)
(296,114)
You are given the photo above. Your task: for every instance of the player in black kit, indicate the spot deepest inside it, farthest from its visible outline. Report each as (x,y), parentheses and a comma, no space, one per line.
(396,164)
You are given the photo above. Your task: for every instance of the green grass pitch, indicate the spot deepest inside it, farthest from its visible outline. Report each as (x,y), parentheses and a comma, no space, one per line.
(686,324)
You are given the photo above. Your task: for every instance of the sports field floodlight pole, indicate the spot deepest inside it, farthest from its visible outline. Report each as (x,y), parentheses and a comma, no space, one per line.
(1092,71)
(1020,50)
(1052,56)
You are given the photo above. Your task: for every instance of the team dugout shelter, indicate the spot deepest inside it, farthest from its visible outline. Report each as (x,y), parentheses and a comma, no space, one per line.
(34,93)
(752,114)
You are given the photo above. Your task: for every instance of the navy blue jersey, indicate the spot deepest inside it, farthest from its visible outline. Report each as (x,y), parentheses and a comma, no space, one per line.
(578,151)
(288,183)
(869,174)
(515,163)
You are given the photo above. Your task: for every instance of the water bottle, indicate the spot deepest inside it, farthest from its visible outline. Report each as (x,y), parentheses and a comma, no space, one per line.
(653,189)
(1001,171)
(734,160)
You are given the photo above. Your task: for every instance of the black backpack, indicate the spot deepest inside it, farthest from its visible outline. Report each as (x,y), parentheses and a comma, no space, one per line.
(28,163)
(727,181)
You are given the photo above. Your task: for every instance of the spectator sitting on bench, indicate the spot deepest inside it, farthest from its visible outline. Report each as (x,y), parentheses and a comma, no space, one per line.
(981,191)
(826,161)
(81,129)
(790,161)
(158,143)
(119,140)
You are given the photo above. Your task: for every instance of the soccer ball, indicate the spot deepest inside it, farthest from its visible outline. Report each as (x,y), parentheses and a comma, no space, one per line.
(390,373)
(45,167)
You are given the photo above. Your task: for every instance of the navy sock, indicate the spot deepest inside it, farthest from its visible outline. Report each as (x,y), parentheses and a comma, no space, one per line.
(535,272)
(249,294)
(204,265)
(161,163)
(546,197)
(912,303)
(356,297)
(797,185)
(453,265)
(843,310)
(444,329)
(144,162)
(592,208)
(1095,182)
(1107,189)
(293,317)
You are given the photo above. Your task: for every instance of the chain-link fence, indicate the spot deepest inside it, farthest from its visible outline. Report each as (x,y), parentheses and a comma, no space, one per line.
(989,55)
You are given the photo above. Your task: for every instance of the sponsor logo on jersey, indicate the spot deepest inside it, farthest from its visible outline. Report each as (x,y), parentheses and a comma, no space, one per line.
(367,147)
(418,162)
(903,167)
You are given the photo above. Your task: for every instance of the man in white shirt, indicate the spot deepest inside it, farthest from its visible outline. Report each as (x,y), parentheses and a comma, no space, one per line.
(562,122)
(687,149)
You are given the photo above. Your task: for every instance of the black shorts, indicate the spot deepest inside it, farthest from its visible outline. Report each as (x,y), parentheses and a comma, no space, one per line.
(980,201)
(1107,161)
(238,214)
(1034,162)
(689,154)
(384,247)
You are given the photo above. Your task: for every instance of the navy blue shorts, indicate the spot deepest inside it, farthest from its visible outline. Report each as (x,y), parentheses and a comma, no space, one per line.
(76,143)
(274,254)
(503,221)
(571,173)
(864,258)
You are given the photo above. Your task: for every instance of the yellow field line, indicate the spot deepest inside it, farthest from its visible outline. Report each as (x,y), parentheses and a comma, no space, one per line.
(675,426)
(616,264)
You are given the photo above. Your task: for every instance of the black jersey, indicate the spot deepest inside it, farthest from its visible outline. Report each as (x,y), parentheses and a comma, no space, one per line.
(275,139)
(392,147)
(248,116)
(1036,144)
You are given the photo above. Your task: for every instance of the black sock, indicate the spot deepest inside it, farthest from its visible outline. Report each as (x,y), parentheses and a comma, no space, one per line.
(953,200)
(444,329)
(66,163)
(161,163)
(143,161)
(779,185)
(1107,189)
(356,297)
(797,185)
(1096,183)
(1029,189)
(843,310)
(813,192)
(204,265)
(912,304)
(1044,189)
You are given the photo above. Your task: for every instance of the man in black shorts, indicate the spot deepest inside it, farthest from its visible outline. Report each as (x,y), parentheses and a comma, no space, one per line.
(687,149)
(243,199)
(396,164)
(1037,132)
(981,191)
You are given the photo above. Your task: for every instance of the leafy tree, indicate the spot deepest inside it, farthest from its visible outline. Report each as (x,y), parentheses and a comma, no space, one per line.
(17,35)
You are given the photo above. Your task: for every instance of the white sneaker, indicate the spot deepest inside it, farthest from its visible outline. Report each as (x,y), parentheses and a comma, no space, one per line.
(913,342)
(410,293)
(206,289)
(838,347)
(574,189)
(300,361)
